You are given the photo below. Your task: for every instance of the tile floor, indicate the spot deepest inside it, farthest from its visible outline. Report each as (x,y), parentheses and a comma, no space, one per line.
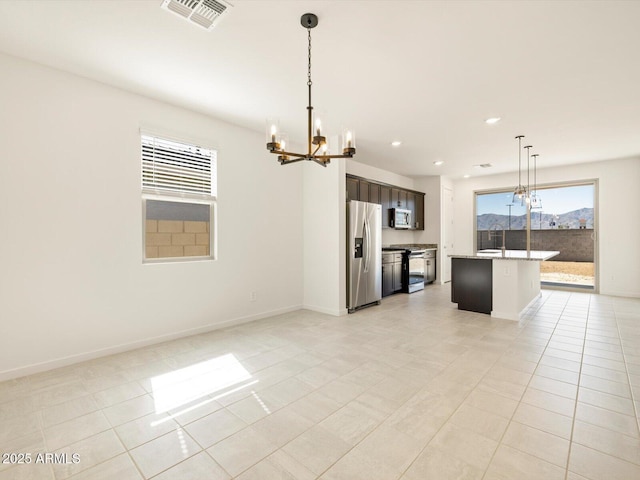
(412,389)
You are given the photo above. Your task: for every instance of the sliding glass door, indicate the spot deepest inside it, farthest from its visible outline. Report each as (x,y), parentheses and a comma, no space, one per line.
(563,218)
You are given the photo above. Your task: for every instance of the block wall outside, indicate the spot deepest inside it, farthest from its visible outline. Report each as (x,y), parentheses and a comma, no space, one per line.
(176,238)
(574,245)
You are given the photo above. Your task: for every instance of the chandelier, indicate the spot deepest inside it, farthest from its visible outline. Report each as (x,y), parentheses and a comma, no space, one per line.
(317,146)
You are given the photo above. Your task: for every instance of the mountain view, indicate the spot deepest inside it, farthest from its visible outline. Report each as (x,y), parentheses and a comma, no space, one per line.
(539,221)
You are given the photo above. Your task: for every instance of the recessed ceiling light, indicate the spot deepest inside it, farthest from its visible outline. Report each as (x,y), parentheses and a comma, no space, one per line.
(466,176)
(492,120)
(396,143)
(438,163)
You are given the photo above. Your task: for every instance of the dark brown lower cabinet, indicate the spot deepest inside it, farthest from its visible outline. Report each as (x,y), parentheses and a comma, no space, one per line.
(391,273)
(471,284)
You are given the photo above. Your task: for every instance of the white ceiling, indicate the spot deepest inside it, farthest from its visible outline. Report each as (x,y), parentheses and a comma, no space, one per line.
(565,74)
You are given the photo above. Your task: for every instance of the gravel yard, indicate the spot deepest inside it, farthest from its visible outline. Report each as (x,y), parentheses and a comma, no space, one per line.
(580,273)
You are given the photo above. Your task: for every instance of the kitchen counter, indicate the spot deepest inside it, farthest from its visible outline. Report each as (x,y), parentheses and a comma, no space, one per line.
(503,286)
(417,246)
(533,255)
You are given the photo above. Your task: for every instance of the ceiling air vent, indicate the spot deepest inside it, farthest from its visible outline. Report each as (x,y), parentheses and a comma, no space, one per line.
(483,165)
(206,13)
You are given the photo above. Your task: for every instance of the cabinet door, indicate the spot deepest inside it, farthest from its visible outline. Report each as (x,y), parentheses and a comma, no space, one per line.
(353,187)
(387,279)
(403,198)
(395,198)
(411,205)
(374,193)
(363,191)
(385,201)
(399,198)
(397,276)
(419,216)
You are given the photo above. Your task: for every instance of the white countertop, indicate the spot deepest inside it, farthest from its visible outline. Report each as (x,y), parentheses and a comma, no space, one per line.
(533,255)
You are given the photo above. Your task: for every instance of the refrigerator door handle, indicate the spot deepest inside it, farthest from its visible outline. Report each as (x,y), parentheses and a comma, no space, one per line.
(368,245)
(365,233)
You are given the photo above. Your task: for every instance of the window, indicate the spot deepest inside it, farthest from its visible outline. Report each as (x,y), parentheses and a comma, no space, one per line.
(563,219)
(178,199)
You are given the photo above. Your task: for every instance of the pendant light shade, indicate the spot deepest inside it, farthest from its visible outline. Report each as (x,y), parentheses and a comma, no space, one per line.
(536,201)
(520,192)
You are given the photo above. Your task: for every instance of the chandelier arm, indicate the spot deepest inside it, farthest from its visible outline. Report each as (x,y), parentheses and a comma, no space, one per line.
(320,162)
(334,156)
(285,162)
(289,154)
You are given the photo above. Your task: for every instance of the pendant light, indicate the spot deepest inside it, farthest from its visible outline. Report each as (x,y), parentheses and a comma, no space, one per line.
(536,201)
(520,193)
(527,197)
(317,147)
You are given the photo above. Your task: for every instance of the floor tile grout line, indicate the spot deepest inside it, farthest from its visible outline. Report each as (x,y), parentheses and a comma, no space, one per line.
(558,323)
(527,386)
(458,407)
(248,425)
(363,438)
(389,415)
(306,430)
(626,366)
(575,405)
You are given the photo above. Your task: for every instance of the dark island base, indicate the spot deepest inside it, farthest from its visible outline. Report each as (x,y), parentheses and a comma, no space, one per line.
(471,284)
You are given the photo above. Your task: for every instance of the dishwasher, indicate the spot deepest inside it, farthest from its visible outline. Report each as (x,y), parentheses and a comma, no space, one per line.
(429,266)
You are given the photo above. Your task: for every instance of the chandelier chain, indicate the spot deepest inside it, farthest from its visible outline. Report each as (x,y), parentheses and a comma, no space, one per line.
(309,68)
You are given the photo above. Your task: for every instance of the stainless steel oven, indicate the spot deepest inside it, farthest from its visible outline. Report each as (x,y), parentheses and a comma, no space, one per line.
(413,268)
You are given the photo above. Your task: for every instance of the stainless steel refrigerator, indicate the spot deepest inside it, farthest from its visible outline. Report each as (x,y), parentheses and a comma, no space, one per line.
(364,254)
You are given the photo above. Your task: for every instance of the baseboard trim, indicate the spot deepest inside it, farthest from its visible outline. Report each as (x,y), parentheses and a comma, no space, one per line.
(124,347)
(329,311)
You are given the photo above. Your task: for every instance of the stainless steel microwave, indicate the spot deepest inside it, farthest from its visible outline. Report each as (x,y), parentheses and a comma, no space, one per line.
(400,218)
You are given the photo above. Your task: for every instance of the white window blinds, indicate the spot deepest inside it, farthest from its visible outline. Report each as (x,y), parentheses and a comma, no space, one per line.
(175,167)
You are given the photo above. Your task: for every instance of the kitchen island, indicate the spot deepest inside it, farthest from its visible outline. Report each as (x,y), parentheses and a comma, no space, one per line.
(497,282)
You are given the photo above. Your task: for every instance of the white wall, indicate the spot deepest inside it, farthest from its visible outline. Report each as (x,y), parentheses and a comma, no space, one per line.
(619,231)
(72,283)
(324,232)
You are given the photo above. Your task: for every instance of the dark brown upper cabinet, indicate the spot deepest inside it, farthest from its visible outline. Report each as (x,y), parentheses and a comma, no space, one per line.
(399,198)
(419,216)
(364,191)
(374,193)
(389,196)
(353,186)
